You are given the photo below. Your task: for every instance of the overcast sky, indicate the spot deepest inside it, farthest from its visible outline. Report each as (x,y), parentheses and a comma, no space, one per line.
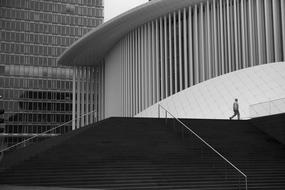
(113,8)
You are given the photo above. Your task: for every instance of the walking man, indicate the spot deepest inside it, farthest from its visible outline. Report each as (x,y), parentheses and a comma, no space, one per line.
(235,108)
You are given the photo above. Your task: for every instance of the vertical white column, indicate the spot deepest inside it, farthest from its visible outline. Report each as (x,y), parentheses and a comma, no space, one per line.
(185,41)
(170,53)
(175,54)
(133,72)
(143,68)
(131,65)
(161,60)
(202,48)
(244,41)
(269,31)
(87,95)
(190,42)
(73,97)
(149,64)
(91,94)
(136,71)
(251,34)
(127,76)
(153,62)
(277,30)
(215,38)
(99,92)
(139,69)
(121,74)
(222,38)
(132,51)
(229,37)
(180,50)
(209,56)
(146,87)
(157,60)
(232,27)
(236,36)
(102,91)
(259,12)
(83,93)
(96,93)
(78,96)
(124,78)
(283,26)
(165,58)
(129,97)
(81,96)
(196,46)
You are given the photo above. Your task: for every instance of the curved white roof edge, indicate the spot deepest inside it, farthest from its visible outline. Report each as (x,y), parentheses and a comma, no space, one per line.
(91,48)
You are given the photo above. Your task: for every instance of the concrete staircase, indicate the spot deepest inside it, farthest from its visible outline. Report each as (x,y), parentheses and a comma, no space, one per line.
(135,153)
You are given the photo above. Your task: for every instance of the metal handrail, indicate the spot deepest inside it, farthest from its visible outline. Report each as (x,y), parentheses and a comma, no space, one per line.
(28,139)
(272,100)
(207,144)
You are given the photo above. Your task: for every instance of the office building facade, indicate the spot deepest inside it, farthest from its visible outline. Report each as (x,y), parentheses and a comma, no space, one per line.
(163,47)
(37,92)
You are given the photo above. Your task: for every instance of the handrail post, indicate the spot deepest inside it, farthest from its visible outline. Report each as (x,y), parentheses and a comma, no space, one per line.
(158,110)
(166,118)
(245,182)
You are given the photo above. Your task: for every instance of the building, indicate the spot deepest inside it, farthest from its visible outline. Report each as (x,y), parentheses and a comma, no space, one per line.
(37,92)
(165,50)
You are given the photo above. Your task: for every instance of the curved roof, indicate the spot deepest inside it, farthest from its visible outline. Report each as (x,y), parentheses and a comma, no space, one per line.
(91,48)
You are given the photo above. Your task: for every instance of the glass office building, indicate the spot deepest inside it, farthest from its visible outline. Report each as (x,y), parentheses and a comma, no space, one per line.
(37,93)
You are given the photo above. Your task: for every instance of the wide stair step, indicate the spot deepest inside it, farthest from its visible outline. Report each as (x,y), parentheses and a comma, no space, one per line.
(133,153)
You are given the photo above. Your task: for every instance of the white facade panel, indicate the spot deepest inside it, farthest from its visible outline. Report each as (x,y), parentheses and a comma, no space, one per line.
(113,85)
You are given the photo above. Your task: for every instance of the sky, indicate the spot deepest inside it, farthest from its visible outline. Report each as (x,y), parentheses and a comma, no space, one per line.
(116,7)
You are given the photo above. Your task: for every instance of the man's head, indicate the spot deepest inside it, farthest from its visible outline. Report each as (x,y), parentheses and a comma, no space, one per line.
(236,99)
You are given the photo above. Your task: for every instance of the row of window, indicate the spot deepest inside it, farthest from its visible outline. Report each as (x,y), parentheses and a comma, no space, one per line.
(13,59)
(39,107)
(24,83)
(35,38)
(53,7)
(33,71)
(45,106)
(31,49)
(81,2)
(38,118)
(47,96)
(31,4)
(49,29)
(43,96)
(49,17)
(36,128)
